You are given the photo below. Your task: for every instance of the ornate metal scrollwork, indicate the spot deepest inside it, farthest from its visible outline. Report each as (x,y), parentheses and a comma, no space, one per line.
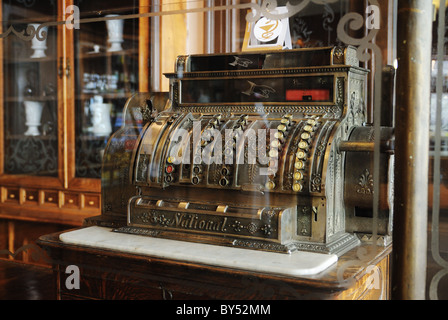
(30,155)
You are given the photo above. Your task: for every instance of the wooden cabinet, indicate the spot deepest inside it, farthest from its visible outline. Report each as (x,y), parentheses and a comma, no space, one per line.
(62,93)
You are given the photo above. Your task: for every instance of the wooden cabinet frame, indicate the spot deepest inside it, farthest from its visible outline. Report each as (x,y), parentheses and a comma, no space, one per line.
(66,198)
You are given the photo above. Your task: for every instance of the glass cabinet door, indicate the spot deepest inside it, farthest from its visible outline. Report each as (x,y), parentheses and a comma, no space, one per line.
(30,80)
(106,64)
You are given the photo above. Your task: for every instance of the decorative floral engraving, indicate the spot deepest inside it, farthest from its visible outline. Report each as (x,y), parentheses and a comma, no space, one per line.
(328,17)
(368,184)
(237,226)
(316,181)
(252,228)
(365,184)
(338,55)
(304,222)
(268,8)
(30,31)
(28,3)
(356,22)
(145,217)
(266,229)
(31,155)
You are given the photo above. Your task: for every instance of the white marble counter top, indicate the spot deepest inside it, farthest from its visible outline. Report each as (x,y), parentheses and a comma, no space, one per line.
(293,265)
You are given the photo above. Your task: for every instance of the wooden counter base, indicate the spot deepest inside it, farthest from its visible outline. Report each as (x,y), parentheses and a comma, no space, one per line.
(362,273)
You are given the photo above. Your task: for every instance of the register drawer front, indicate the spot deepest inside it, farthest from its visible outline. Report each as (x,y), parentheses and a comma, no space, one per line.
(275,225)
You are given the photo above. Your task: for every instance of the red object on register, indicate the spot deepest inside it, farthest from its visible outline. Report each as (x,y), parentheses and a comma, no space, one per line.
(308,95)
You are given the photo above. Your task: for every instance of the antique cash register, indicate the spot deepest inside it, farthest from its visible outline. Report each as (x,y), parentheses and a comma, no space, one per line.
(266,151)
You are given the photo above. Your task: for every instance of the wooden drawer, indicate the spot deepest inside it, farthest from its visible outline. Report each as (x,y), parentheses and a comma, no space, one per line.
(50,198)
(12,195)
(31,197)
(71,200)
(92,201)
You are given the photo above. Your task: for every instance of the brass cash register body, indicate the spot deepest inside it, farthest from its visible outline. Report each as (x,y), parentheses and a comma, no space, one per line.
(267,151)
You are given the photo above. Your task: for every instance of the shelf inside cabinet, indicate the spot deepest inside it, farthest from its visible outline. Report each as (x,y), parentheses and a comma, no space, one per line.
(105,95)
(29,98)
(20,60)
(91,137)
(103,54)
(23,136)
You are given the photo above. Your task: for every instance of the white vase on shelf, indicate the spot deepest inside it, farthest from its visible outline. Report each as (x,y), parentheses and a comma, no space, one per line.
(114,33)
(33,115)
(101,122)
(39,46)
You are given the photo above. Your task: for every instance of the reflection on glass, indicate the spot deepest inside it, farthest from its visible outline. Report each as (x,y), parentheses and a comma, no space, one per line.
(248,90)
(30,101)
(437,263)
(106,53)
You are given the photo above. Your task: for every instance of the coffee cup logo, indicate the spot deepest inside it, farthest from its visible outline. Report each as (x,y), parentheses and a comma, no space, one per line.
(266,30)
